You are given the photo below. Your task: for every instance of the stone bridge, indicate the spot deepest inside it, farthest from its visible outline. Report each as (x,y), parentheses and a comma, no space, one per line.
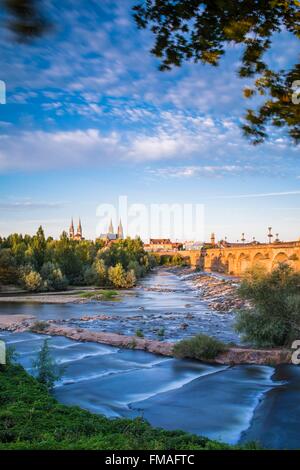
(236,260)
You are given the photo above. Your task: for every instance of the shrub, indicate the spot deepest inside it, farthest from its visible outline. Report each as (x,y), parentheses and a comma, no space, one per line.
(39,326)
(130,278)
(90,276)
(139,334)
(33,281)
(199,347)
(116,275)
(274,316)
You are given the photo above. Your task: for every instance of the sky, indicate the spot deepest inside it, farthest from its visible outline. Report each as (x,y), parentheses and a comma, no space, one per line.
(89,118)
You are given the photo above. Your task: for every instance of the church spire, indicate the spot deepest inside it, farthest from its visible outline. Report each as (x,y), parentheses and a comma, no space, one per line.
(120,231)
(111,227)
(79,228)
(71,229)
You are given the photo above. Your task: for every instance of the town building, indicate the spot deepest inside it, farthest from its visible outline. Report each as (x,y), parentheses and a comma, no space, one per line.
(162,244)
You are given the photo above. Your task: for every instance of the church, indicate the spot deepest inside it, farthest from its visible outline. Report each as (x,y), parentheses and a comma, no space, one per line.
(111,236)
(78,234)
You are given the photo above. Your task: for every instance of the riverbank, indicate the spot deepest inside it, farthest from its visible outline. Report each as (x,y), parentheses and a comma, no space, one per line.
(35,420)
(64,297)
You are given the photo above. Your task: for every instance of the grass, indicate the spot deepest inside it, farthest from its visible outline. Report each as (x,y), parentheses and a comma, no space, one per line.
(30,418)
(139,334)
(105,294)
(201,347)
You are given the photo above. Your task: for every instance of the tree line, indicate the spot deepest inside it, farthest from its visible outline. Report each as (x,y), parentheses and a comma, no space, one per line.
(37,263)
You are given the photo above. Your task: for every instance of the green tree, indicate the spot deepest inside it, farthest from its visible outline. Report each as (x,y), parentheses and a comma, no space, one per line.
(38,248)
(201,30)
(46,368)
(53,277)
(33,281)
(117,276)
(274,316)
(8,269)
(130,279)
(101,271)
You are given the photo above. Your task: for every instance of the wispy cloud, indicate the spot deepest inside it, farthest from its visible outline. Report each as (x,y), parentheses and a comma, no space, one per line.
(15,206)
(255,195)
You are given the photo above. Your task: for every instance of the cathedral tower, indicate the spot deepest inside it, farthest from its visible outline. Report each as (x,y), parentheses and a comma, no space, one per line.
(71,230)
(120,231)
(111,227)
(79,230)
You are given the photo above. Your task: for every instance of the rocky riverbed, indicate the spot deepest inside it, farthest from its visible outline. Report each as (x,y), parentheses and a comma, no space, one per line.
(220,293)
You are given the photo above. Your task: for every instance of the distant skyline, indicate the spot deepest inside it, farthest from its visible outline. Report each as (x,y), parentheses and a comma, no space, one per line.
(90,118)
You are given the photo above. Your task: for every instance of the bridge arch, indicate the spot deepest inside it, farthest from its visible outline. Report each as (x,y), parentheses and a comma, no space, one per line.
(243,263)
(280,258)
(230,263)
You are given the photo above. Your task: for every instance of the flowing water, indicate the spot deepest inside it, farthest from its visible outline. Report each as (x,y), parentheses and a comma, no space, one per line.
(232,404)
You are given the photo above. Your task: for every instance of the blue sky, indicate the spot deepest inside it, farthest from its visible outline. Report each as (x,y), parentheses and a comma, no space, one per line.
(89,117)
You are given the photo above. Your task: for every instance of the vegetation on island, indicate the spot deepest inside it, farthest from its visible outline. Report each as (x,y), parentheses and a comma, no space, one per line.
(39,264)
(273,318)
(106,294)
(30,418)
(200,347)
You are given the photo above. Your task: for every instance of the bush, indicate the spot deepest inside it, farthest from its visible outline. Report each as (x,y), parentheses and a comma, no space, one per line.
(199,347)
(39,326)
(139,334)
(53,277)
(274,316)
(33,281)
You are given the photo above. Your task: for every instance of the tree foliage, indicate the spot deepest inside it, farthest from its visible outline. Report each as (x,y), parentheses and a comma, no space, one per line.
(201,347)
(46,368)
(274,316)
(201,30)
(37,263)
(25,19)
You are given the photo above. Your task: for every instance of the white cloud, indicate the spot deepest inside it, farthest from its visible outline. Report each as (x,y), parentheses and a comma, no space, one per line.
(210,145)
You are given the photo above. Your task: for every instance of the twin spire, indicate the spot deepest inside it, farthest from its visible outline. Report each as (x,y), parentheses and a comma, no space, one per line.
(120,234)
(78,235)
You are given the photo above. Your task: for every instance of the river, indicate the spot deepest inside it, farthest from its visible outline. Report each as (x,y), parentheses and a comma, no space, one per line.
(231,404)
